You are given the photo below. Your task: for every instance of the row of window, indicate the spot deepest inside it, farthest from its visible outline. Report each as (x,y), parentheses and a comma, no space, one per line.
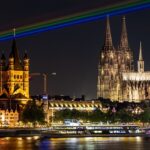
(8,114)
(17,76)
(11,114)
(11,118)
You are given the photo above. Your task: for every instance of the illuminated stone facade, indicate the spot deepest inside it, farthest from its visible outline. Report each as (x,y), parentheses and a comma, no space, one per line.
(14,75)
(54,105)
(9,118)
(117,79)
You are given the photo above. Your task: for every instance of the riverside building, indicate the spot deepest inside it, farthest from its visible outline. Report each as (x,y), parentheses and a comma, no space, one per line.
(117,78)
(9,118)
(14,76)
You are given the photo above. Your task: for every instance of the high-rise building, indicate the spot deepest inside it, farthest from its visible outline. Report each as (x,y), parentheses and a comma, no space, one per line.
(14,75)
(117,79)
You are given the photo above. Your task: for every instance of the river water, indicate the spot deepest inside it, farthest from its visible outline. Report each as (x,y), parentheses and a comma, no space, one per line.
(96,143)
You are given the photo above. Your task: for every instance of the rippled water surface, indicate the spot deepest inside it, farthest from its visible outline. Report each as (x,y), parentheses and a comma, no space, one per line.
(100,143)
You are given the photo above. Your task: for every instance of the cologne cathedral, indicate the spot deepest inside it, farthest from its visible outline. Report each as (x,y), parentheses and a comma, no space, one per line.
(14,76)
(117,78)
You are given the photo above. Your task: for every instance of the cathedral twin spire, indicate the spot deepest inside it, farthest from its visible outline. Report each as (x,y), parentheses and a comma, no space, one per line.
(108,44)
(124,37)
(108,37)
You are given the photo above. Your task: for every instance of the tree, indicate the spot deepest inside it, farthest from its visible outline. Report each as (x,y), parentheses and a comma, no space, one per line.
(96,116)
(33,113)
(145,116)
(124,116)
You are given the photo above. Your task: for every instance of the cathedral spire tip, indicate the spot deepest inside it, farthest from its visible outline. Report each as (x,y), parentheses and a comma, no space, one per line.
(108,37)
(124,36)
(140,52)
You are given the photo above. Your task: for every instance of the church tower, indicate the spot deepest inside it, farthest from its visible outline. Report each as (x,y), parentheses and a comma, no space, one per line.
(107,67)
(125,59)
(125,56)
(15,75)
(26,74)
(112,64)
(140,61)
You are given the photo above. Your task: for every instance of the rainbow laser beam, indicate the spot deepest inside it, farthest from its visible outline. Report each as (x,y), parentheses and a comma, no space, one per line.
(84,17)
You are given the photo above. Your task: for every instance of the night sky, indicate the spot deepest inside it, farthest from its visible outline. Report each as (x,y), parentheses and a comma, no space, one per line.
(71,52)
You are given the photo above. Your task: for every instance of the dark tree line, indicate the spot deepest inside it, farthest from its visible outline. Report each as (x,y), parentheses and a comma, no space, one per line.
(121,116)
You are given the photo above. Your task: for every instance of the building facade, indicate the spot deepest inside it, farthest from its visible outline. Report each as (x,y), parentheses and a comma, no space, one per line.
(117,78)
(14,75)
(50,107)
(9,118)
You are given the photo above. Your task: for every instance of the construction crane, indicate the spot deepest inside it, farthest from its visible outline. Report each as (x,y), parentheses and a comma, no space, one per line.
(44,80)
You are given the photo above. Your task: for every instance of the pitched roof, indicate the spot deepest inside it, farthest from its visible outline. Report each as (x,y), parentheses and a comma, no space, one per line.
(15,54)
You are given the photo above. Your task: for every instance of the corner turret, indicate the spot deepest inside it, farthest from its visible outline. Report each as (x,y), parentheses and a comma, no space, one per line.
(26,74)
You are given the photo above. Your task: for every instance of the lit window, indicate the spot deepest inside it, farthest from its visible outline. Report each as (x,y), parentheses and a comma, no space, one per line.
(102,55)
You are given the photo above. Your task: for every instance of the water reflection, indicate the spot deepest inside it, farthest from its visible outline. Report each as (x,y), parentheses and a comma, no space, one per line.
(102,143)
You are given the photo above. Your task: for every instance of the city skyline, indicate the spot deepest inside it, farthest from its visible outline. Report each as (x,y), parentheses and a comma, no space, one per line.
(73,52)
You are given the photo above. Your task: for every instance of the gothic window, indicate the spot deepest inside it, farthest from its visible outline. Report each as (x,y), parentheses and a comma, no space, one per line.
(111,55)
(128,56)
(141,66)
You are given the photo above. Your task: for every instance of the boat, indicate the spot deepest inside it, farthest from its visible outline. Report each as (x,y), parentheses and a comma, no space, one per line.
(93,131)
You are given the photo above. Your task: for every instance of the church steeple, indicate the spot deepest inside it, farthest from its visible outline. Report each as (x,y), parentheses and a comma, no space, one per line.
(140,52)
(108,44)
(140,61)
(124,36)
(15,54)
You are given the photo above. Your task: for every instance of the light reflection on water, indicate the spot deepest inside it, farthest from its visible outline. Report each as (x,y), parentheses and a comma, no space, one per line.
(88,143)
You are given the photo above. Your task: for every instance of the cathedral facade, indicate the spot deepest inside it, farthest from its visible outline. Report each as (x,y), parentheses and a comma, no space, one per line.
(117,78)
(14,75)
